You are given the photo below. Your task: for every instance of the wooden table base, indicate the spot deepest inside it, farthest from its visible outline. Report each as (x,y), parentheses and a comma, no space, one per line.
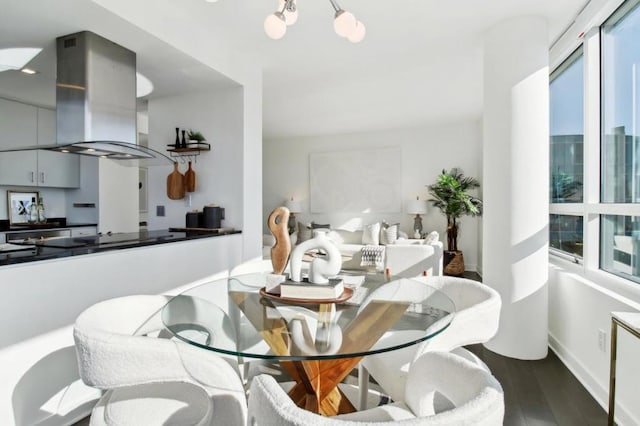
(316,387)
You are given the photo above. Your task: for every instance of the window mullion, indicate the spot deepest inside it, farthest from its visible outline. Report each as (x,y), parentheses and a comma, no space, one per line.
(592,115)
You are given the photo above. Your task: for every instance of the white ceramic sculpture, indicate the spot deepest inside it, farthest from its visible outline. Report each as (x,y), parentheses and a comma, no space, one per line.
(320,269)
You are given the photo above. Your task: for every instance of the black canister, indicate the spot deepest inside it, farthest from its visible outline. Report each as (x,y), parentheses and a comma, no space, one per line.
(212,217)
(193,220)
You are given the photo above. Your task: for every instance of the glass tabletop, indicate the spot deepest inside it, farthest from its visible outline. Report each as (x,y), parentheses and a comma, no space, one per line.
(230,316)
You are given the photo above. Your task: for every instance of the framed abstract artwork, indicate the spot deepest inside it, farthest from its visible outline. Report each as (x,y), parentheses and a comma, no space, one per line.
(356,181)
(18,204)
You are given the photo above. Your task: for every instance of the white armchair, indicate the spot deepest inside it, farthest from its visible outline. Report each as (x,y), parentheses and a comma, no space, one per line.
(476,321)
(151,380)
(470,394)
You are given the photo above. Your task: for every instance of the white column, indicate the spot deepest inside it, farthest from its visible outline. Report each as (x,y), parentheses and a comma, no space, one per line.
(516,182)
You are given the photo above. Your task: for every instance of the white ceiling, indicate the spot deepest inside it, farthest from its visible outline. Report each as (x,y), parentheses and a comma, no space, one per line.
(421,61)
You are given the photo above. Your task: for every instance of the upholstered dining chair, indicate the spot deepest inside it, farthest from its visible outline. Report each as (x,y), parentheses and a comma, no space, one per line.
(475,321)
(442,389)
(149,380)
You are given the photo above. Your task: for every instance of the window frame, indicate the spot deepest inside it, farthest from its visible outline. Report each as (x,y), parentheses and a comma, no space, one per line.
(591,208)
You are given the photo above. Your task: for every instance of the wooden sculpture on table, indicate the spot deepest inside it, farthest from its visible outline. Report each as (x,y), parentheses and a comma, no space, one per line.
(282,248)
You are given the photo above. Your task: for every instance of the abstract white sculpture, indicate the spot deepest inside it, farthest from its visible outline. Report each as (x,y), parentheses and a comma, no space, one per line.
(320,269)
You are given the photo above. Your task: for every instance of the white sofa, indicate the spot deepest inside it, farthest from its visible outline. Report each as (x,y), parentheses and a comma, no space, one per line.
(406,257)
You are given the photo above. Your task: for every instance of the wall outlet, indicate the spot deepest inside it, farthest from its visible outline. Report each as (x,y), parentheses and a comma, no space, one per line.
(602,340)
(159,210)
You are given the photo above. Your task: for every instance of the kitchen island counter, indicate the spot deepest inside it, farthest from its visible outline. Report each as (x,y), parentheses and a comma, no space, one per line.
(77,246)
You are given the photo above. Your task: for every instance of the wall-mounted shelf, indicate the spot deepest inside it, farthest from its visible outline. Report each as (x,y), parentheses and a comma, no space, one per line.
(191,149)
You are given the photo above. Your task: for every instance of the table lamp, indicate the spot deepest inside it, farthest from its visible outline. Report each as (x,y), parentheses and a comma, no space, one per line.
(417,207)
(294,207)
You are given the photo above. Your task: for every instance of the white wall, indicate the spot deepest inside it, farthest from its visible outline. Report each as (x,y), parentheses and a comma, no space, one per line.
(219,172)
(578,308)
(425,152)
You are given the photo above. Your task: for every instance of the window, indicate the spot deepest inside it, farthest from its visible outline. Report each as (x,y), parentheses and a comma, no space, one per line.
(619,142)
(620,147)
(566,124)
(565,233)
(619,245)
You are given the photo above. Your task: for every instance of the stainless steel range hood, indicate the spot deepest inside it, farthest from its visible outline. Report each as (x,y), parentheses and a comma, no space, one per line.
(96,101)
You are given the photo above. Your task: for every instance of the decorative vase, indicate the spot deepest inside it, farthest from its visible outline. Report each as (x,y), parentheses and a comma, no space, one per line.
(320,269)
(177,137)
(184,140)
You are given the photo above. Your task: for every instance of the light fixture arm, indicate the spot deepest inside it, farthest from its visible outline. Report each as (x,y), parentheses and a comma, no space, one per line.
(345,23)
(289,6)
(336,6)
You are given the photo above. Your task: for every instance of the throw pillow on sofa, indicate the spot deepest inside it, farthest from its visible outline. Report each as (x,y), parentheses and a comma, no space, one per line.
(371,234)
(389,234)
(320,226)
(432,237)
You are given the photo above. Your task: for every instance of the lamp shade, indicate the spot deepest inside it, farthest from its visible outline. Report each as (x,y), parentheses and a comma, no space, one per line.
(416,206)
(293,206)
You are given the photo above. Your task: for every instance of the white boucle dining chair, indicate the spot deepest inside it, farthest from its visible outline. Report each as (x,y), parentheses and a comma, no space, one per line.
(476,320)
(443,389)
(149,380)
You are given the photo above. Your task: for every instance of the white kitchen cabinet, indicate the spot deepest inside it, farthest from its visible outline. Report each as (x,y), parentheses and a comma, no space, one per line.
(33,168)
(84,231)
(19,168)
(55,169)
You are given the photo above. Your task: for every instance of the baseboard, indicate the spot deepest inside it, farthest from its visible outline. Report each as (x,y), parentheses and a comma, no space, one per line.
(599,393)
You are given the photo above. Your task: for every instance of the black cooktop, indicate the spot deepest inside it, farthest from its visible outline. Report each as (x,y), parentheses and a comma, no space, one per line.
(107,240)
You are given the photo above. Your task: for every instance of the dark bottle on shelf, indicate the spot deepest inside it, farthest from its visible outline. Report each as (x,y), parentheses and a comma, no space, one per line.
(33,211)
(184,140)
(177,137)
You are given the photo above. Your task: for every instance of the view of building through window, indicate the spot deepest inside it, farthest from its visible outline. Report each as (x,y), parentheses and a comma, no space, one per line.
(620,144)
(566,124)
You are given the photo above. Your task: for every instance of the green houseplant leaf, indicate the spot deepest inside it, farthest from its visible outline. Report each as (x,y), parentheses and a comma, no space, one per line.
(195,136)
(450,195)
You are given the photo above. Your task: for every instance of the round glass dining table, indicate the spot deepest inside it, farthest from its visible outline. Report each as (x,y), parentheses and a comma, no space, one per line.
(318,344)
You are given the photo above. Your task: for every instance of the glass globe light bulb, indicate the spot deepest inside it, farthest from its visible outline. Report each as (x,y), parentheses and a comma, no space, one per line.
(357,35)
(289,16)
(344,23)
(275,26)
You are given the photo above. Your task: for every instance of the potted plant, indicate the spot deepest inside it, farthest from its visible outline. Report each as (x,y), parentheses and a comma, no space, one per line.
(450,195)
(195,136)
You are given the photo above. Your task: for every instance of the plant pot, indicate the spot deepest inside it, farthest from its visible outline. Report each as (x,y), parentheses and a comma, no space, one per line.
(453,263)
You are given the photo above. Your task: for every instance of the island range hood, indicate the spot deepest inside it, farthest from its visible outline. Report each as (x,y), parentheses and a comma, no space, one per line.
(96,101)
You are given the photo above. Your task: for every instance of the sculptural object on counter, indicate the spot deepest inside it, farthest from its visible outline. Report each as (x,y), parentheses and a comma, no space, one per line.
(281,250)
(320,269)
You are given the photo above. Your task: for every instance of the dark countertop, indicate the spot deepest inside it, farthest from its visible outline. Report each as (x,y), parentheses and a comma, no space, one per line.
(53,223)
(77,246)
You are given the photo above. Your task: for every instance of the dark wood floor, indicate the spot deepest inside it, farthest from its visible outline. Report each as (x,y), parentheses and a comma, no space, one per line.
(541,392)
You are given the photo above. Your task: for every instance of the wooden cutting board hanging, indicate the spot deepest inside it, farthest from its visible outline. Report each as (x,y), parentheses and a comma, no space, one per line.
(190,179)
(175,184)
